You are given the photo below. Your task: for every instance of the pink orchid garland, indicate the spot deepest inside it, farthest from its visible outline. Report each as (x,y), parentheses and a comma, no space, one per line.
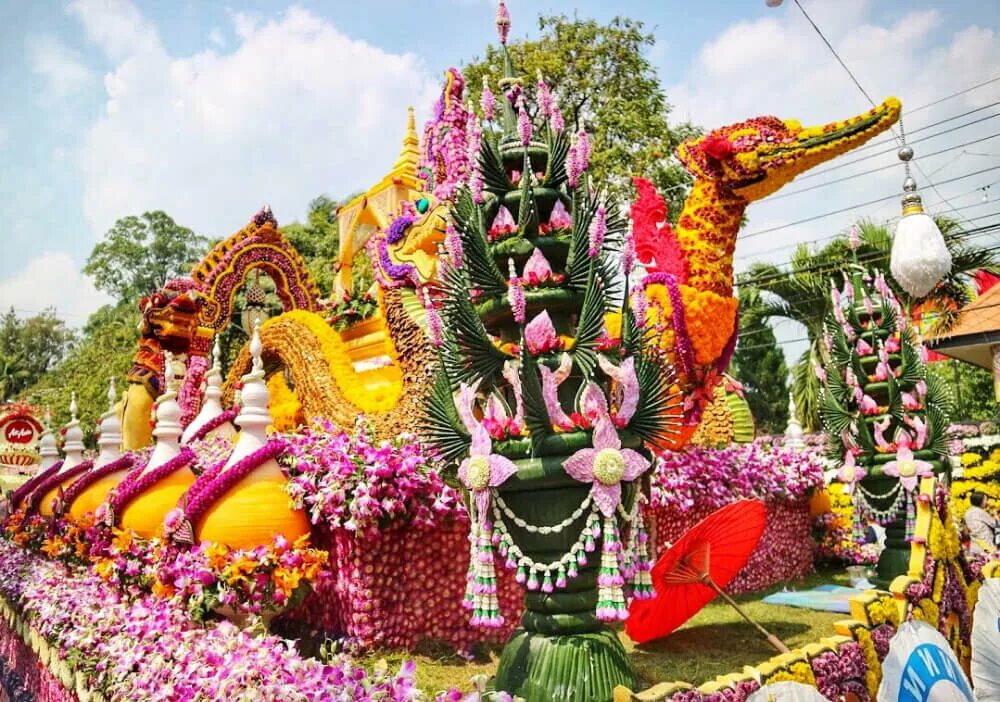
(84,481)
(214,423)
(53,481)
(31,484)
(137,482)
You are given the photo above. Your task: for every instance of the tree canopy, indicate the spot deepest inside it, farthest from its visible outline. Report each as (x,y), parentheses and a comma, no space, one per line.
(29,348)
(759,364)
(604,83)
(139,254)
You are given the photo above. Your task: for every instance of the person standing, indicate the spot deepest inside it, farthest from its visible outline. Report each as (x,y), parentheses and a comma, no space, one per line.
(982,526)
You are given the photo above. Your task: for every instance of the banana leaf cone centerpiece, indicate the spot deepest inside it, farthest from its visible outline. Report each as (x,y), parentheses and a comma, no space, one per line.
(546,395)
(886,418)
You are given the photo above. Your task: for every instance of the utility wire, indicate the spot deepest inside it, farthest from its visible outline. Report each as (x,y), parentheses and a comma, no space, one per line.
(863,204)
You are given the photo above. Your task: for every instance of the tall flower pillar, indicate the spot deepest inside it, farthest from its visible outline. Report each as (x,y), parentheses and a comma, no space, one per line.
(545,414)
(886,419)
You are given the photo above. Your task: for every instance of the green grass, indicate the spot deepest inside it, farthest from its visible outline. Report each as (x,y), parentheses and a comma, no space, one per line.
(714,642)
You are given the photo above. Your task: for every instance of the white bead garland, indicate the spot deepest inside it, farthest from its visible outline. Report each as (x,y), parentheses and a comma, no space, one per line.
(515,554)
(531,528)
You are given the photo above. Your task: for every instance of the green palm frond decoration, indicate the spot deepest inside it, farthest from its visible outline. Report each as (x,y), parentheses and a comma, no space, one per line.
(590,326)
(835,416)
(527,215)
(474,355)
(491,169)
(837,386)
(887,317)
(939,396)
(840,351)
(911,370)
(658,403)
(536,416)
(578,258)
(483,271)
(895,400)
(558,145)
(865,437)
(937,432)
(440,422)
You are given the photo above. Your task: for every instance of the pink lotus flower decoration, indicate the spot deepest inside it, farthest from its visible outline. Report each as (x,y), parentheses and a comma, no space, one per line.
(559,219)
(850,473)
(626,388)
(540,335)
(864,348)
(606,465)
(907,468)
(537,268)
(483,470)
(503,224)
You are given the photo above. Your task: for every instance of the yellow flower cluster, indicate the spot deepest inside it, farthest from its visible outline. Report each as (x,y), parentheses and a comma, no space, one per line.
(709,317)
(799,671)
(285,408)
(873,673)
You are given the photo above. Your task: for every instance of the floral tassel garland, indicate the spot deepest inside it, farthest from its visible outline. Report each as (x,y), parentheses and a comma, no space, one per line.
(610,594)
(481,591)
(911,516)
(640,564)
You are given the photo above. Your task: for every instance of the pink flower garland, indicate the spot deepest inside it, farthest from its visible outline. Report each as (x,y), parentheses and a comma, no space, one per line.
(189,397)
(214,423)
(136,483)
(685,353)
(30,485)
(53,481)
(212,487)
(91,477)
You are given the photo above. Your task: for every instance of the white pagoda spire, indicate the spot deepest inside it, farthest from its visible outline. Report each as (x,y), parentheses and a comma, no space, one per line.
(211,405)
(253,418)
(48,447)
(73,445)
(168,414)
(110,439)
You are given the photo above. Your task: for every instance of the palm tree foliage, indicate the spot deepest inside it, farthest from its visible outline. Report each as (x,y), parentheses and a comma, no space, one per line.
(800,292)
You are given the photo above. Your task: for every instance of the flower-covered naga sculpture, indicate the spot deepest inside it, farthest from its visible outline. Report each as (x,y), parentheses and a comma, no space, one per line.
(689,283)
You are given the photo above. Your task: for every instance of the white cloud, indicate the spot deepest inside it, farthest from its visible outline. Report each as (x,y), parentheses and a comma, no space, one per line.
(4,136)
(61,67)
(52,279)
(297,108)
(216,38)
(778,65)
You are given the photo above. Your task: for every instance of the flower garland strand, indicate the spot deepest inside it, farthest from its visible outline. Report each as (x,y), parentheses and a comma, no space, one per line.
(54,481)
(136,482)
(216,486)
(84,481)
(30,485)
(214,423)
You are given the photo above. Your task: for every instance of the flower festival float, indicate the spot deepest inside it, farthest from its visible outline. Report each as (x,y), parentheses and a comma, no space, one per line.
(550,396)
(886,419)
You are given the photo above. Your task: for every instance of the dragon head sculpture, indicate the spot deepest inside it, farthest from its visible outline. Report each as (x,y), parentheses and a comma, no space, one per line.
(169,323)
(755,158)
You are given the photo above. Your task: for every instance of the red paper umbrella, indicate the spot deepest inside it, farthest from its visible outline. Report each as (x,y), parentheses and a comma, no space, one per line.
(695,569)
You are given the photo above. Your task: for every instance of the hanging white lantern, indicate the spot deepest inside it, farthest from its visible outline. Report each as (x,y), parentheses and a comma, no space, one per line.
(920,258)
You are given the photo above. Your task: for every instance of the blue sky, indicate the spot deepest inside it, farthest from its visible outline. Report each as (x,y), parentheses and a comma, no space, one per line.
(209,109)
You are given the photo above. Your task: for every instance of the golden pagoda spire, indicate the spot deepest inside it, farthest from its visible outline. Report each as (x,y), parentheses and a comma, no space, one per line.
(409,155)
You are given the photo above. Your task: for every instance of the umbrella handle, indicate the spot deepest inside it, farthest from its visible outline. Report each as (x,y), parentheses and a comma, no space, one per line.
(771,638)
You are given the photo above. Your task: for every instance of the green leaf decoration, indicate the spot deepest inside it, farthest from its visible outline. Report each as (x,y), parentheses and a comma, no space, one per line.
(555,175)
(911,369)
(474,354)
(840,352)
(658,403)
(441,423)
(482,268)
(491,169)
(865,437)
(527,216)
(536,416)
(590,326)
(835,416)
(836,385)
(887,321)
(937,432)
(895,399)
(578,259)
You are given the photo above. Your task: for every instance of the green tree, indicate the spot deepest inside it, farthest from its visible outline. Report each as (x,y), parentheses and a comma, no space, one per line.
(972,387)
(800,292)
(759,365)
(139,254)
(318,241)
(105,350)
(604,83)
(29,348)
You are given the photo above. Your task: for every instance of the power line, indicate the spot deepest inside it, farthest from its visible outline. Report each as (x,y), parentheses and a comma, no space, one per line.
(863,204)
(794,244)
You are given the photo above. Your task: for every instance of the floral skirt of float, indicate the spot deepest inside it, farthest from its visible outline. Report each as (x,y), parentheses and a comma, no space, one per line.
(545,525)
